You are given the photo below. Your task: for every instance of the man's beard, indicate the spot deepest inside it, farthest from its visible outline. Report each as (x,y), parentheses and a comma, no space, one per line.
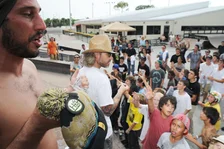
(15,47)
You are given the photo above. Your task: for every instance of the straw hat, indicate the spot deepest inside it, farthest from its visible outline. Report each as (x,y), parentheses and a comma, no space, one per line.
(99,43)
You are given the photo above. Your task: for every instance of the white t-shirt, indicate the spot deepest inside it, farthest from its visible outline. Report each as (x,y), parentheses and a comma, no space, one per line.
(147,60)
(183,102)
(216,86)
(205,70)
(164,142)
(144,111)
(165,55)
(99,90)
(215,66)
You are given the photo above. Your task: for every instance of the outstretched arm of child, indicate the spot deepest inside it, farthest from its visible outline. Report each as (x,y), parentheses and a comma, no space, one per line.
(149,97)
(193,140)
(201,104)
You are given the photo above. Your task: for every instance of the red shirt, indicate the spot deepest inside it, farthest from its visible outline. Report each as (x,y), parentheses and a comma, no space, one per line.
(158,125)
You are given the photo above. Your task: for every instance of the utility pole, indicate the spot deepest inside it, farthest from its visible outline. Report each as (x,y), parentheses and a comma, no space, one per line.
(110,6)
(92,10)
(70,15)
(168,2)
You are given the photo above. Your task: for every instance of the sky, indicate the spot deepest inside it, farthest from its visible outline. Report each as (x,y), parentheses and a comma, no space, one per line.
(81,9)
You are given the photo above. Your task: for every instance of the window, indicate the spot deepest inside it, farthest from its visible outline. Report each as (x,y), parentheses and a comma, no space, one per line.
(153,30)
(89,26)
(139,30)
(203,29)
(97,26)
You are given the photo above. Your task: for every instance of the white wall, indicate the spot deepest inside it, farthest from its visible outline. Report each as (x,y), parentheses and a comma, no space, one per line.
(207,19)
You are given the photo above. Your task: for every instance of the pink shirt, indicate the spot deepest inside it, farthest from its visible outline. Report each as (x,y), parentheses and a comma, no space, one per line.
(158,125)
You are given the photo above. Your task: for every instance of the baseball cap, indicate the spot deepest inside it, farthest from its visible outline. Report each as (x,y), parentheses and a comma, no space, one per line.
(76,55)
(219,138)
(209,57)
(184,119)
(115,66)
(159,61)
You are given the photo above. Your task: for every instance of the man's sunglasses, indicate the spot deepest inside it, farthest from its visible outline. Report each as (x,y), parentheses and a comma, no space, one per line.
(108,54)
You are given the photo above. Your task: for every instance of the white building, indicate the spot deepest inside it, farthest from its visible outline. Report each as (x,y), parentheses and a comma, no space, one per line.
(197,18)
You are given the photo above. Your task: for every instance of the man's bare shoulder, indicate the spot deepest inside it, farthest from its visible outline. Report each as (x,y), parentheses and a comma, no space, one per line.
(30,64)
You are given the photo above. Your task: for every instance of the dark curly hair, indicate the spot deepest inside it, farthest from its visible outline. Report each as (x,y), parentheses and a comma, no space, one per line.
(212,114)
(165,99)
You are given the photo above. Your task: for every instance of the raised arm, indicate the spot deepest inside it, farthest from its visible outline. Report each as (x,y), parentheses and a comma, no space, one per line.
(149,97)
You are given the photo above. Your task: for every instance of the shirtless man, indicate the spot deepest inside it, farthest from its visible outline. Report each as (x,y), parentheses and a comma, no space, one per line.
(21,125)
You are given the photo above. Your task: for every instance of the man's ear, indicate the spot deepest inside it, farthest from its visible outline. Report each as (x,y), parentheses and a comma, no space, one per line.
(97,55)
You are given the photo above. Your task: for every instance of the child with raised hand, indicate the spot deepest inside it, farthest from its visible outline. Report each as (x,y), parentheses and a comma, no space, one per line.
(134,119)
(160,119)
(209,116)
(213,101)
(175,139)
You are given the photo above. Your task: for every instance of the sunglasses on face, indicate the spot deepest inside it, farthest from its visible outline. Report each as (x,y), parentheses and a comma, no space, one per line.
(108,54)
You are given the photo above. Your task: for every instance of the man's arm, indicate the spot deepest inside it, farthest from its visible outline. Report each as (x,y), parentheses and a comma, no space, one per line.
(109,109)
(186,112)
(216,80)
(161,85)
(193,98)
(32,132)
(130,128)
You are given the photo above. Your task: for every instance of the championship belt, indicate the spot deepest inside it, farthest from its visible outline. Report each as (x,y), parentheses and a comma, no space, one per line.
(83,124)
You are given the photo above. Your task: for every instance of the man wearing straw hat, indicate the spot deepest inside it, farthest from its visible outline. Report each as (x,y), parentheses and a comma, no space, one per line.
(99,55)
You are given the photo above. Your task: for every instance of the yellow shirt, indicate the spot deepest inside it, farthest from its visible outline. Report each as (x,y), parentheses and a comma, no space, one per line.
(134,116)
(217,107)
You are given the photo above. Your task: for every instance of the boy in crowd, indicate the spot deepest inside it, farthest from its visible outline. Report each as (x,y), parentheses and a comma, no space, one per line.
(194,92)
(217,78)
(215,60)
(134,119)
(213,101)
(171,82)
(183,99)
(141,85)
(175,139)
(206,70)
(123,68)
(143,68)
(157,76)
(75,64)
(143,108)
(160,119)
(209,116)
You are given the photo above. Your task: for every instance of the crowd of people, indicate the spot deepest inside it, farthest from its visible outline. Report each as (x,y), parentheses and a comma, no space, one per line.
(150,115)
(135,104)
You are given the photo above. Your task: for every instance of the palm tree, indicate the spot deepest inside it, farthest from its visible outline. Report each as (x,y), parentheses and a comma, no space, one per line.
(144,7)
(121,5)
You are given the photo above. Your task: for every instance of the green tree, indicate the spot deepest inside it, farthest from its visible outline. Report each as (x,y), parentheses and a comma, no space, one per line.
(144,7)
(121,6)
(63,22)
(55,22)
(48,22)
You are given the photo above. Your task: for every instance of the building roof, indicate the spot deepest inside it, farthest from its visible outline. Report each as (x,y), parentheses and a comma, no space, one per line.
(186,14)
(152,13)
